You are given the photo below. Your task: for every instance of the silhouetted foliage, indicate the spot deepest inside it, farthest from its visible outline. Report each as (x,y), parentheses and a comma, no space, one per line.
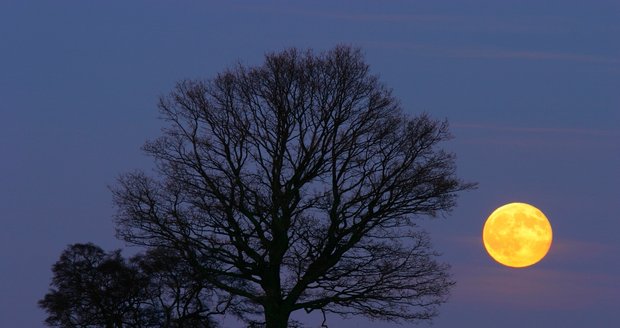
(295,185)
(177,297)
(92,288)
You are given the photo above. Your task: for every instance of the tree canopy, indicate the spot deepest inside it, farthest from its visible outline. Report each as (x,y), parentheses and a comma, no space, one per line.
(92,288)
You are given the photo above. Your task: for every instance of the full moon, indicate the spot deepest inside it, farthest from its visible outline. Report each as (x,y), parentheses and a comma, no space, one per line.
(517,235)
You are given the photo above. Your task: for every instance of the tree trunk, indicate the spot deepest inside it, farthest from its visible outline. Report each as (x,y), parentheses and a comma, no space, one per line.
(276,316)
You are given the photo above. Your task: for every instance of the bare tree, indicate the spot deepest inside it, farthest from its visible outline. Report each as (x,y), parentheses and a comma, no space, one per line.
(174,296)
(295,185)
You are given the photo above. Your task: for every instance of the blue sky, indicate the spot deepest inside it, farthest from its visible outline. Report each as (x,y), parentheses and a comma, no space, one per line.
(530,89)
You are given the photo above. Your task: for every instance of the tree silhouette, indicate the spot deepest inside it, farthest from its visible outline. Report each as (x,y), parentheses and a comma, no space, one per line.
(92,288)
(296,185)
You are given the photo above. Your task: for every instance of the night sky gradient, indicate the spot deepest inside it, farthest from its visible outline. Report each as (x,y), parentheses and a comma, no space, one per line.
(531,90)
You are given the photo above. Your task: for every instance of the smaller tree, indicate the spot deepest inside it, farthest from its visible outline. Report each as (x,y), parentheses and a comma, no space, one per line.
(92,288)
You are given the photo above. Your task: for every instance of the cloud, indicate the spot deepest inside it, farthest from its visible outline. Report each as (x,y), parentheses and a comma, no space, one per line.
(534,287)
(554,130)
(490,134)
(576,250)
(574,275)
(348,15)
(395,14)
(486,52)
(534,25)
(489,53)
(388,18)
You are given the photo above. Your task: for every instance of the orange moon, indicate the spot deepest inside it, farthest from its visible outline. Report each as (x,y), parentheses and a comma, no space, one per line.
(517,235)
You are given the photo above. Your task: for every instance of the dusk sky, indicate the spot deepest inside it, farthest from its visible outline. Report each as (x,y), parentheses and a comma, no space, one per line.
(531,90)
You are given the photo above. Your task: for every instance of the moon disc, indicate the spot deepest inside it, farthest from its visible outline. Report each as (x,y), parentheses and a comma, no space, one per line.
(517,235)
